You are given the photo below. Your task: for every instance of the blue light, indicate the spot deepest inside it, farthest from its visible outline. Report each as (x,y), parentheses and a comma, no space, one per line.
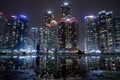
(23,16)
(109,12)
(91,16)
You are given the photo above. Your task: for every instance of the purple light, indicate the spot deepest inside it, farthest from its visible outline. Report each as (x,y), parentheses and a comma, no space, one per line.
(1,13)
(13,16)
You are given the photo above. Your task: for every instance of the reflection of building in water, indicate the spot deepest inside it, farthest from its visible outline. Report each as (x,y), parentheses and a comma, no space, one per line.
(101,63)
(16,63)
(73,64)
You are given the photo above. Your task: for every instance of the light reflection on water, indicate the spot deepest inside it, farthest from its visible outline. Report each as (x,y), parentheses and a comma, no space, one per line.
(69,65)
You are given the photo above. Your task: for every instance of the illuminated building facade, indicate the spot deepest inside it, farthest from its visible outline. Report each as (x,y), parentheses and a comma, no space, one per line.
(91,34)
(53,42)
(102,33)
(66,9)
(116,22)
(32,38)
(48,34)
(1,29)
(49,16)
(106,32)
(15,33)
(68,31)
(44,39)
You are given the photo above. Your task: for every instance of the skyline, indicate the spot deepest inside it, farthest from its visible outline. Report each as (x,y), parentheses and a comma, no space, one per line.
(35,10)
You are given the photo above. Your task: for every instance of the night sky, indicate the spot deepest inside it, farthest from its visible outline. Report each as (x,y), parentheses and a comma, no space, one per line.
(35,9)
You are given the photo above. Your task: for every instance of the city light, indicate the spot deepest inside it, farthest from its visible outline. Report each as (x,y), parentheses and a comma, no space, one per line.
(67,20)
(102,12)
(1,13)
(66,3)
(53,23)
(62,20)
(49,12)
(23,16)
(13,16)
(110,12)
(87,17)
(56,48)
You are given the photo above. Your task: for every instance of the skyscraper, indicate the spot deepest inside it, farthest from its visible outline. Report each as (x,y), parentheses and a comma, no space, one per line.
(102,32)
(106,31)
(116,22)
(1,29)
(15,32)
(91,34)
(66,9)
(48,34)
(68,31)
(48,17)
(32,38)
(44,39)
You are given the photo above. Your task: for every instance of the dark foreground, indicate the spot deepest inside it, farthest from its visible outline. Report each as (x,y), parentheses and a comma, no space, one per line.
(30,75)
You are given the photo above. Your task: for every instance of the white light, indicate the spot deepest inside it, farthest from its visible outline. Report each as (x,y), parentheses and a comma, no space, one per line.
(93,57)
(52,57)
(13,16)
(14,56)
(50,51)
(68,19)
(22,57)
(91,16)
(110,12)
(102,12)
(66,3)
(34,50)
(49,12)
(33,56)
(98,51)
(53,49)
(23,16)
(33,28)
(92,51)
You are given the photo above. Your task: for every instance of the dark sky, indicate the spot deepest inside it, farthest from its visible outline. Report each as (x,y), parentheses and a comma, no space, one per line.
(35,9)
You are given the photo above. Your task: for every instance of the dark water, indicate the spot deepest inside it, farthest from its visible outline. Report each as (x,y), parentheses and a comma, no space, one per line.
(61,66)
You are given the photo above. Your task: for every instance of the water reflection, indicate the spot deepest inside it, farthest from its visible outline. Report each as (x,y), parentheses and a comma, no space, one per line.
(61,66)
(16,62)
